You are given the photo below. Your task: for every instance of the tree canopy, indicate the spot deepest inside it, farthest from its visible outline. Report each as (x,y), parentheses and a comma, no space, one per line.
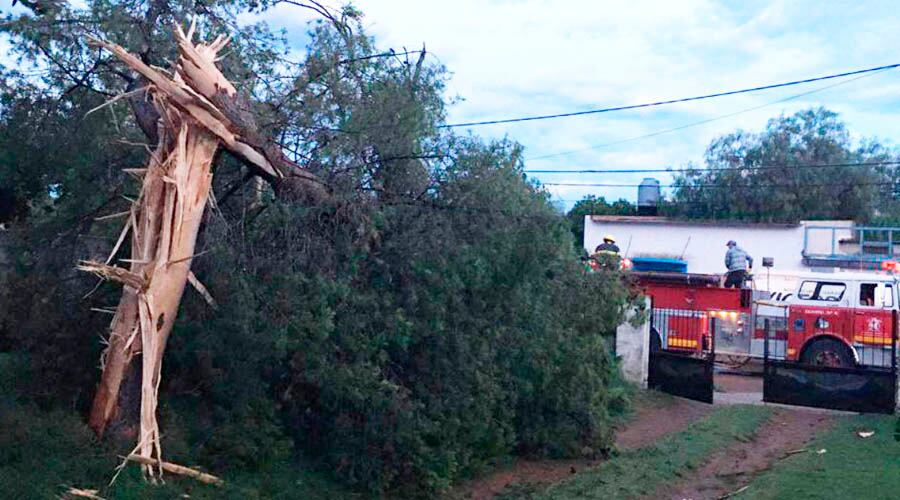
(802,166)
(593,205)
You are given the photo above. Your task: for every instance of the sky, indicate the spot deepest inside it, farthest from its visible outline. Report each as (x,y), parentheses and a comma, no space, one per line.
(511,58)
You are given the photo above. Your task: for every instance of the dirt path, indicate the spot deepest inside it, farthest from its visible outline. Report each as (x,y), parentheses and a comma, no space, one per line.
(732,468)
(659,416)
(656,415)
(521,471)
(730,383)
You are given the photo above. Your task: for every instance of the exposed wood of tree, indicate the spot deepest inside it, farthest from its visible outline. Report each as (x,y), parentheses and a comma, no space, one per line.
(177,469)
(165,219)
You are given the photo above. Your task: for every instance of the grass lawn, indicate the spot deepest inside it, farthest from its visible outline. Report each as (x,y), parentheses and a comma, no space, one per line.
(851,467)
(640,472)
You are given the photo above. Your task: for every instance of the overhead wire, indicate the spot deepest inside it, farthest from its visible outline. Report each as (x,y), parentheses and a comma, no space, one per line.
(703,122)
(714,169)
(722,186)
(669,101)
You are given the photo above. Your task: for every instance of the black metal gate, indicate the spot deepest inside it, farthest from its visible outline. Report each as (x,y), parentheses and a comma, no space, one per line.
(682,351)
(867,384)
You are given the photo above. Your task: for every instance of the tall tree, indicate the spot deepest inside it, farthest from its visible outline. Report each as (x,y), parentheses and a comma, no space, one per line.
(592,205)
(358,118)
(802,166)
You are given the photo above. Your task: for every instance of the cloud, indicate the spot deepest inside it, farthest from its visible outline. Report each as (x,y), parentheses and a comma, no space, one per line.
(525,57)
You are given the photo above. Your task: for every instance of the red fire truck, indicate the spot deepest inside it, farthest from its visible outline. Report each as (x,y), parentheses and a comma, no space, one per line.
(837,319)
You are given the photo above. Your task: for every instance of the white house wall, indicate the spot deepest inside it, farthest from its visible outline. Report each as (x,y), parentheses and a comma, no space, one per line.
(703,244)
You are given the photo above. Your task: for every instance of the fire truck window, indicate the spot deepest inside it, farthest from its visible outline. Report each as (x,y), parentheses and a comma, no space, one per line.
(888,301)
(867,294)
(831,291)
(808,290)
(820,290)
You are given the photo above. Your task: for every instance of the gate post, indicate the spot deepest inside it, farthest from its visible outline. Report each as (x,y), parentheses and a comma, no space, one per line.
(895,324)
(633,347)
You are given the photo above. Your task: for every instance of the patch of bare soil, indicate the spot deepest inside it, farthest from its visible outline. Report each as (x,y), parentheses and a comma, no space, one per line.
(656,415)
(521,471)
(727,471)
(727,382)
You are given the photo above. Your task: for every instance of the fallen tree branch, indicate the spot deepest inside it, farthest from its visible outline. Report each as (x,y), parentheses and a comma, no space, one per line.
(733,493)
(209,98)
(82,493)
(203,477)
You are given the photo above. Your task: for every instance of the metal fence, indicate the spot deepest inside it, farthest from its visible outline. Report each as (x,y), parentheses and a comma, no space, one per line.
(683,331)
(804,367)
(682,361)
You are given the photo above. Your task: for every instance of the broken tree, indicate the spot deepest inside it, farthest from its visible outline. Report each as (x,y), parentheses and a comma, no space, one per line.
(199,111)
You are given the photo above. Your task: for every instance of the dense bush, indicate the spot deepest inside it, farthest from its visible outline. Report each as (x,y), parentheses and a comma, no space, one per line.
(459,333)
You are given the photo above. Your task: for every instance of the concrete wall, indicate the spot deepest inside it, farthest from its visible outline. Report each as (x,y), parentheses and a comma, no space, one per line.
(633,349)
(820,238)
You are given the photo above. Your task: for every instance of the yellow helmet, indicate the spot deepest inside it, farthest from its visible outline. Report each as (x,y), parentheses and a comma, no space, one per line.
(610,238)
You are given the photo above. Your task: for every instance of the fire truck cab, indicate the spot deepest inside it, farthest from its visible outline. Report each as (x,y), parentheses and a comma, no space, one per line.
(830,319)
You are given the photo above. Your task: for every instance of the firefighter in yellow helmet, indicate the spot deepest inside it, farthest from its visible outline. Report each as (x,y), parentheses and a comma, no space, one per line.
(607,253)
(608,246)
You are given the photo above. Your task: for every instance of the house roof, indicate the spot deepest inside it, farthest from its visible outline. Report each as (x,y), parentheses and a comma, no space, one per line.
(669,221)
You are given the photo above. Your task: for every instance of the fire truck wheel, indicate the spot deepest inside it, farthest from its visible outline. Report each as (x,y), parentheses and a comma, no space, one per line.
(655,340)
(828,352)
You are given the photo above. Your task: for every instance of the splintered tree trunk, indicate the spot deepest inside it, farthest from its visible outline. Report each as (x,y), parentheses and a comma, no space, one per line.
(199,112)
(165,221)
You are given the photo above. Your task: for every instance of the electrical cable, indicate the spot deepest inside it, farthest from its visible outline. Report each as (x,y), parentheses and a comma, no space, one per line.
(712,169)
(721,186)
(704,122)
(670,101)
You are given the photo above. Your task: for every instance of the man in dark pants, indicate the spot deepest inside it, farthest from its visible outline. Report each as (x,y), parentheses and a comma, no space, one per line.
(737,261)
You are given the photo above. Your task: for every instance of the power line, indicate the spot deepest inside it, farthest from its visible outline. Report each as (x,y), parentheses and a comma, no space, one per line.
(703,122)
(710,169)
(726,186)
(671,101)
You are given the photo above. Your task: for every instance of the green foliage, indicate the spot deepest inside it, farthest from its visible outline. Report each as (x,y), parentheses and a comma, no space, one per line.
(431,317)
(592,205)
(735,188)
(461,332)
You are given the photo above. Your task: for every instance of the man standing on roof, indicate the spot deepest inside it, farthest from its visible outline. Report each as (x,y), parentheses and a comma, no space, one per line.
(737,261)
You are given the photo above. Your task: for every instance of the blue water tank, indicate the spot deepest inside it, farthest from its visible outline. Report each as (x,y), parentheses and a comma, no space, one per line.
(659,265)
